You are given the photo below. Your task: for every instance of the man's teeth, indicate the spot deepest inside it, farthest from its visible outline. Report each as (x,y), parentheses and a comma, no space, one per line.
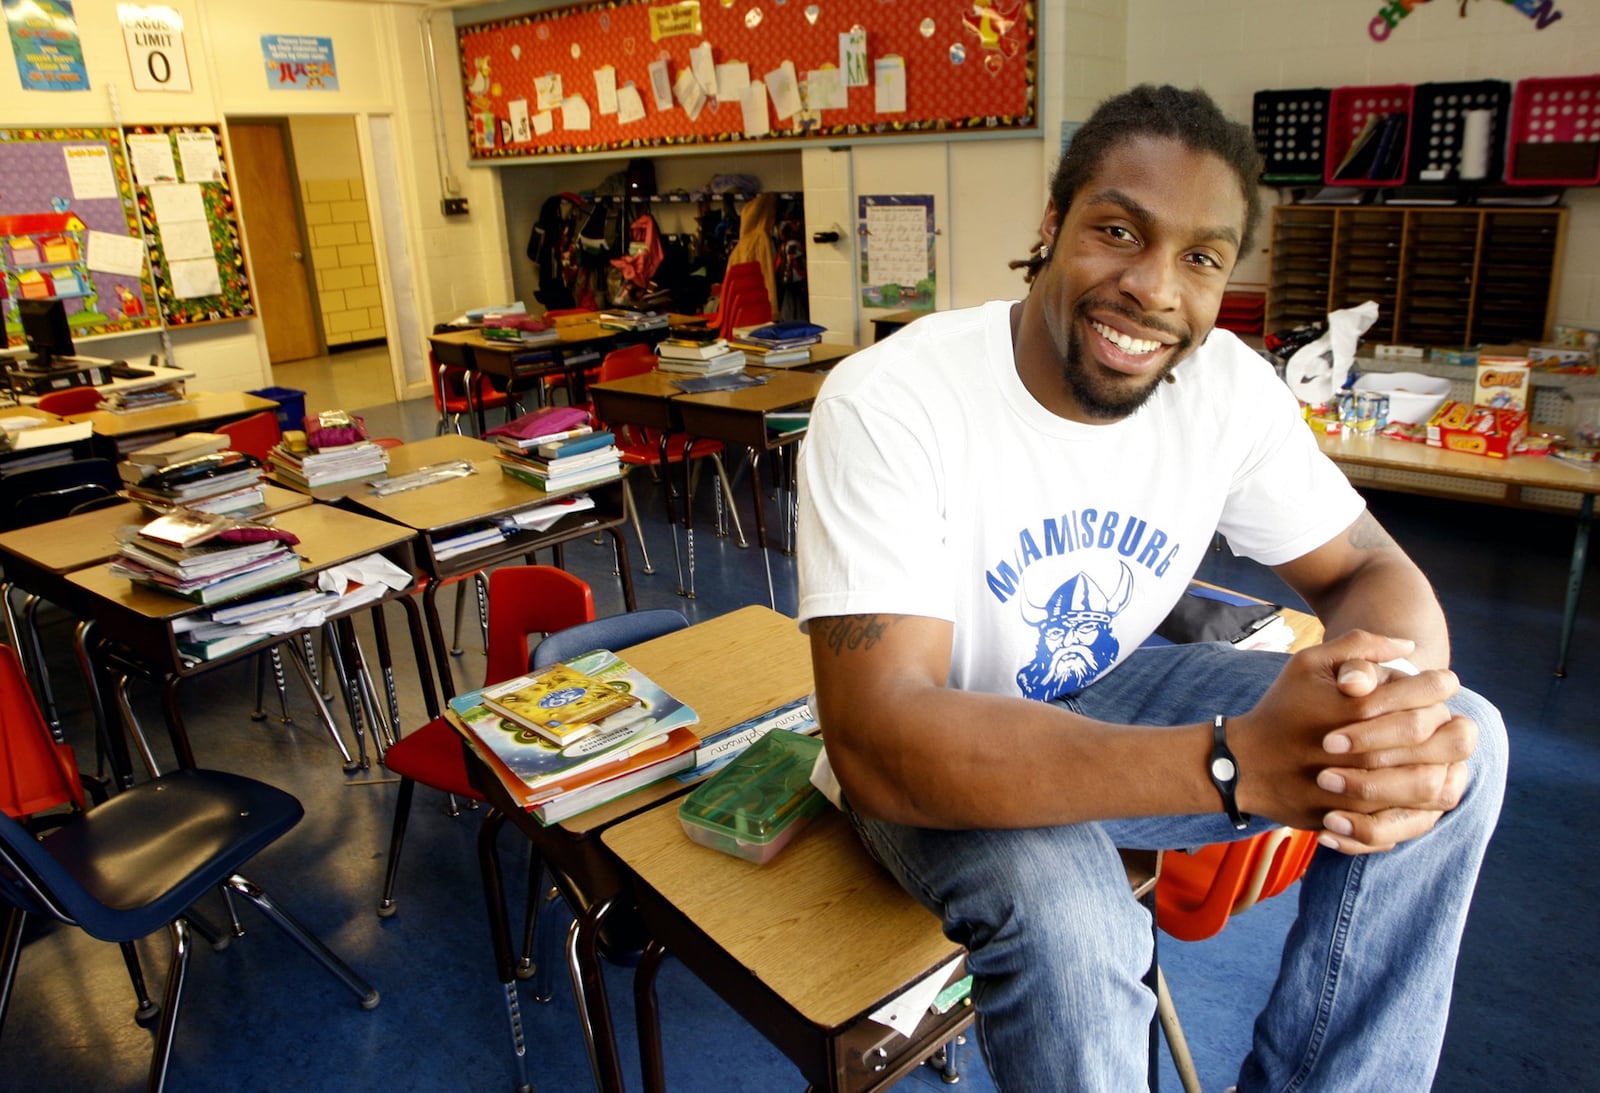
(1123,342)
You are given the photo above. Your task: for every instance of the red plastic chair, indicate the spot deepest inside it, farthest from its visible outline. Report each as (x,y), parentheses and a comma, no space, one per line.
(255,435)
(70,400)
(639,447)
(39,775)
(452,395)
(523,601)
(744,299)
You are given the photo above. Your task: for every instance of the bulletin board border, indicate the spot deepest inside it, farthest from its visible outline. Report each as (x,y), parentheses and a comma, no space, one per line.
(236,302)
(1020,120)
(12,138)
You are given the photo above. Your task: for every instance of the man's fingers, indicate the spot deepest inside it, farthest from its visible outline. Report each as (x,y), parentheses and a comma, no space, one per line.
(1357,832)
(1428,735)
(1437,786)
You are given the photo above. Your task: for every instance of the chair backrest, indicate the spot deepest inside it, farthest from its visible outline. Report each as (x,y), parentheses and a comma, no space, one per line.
(49,493)
(255,435)
(631,360)
(612,632)
(744,299)
(70,400)
(1196,892)
(36,773)
(34,881)
(525,600)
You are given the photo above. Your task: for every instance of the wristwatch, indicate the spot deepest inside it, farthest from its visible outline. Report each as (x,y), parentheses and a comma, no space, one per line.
(1224,771)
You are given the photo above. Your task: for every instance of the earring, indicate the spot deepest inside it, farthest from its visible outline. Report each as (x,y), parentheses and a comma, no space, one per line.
(1044,252)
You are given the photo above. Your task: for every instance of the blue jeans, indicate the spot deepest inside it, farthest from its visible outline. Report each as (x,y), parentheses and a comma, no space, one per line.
(1058,947)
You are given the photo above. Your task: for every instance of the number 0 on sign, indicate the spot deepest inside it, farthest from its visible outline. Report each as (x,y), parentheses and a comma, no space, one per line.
(156,57)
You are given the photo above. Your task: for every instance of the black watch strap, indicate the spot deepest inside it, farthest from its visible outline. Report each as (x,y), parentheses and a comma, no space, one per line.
(1224,771)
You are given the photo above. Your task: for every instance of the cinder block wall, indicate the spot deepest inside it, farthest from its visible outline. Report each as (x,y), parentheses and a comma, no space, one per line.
(343,260)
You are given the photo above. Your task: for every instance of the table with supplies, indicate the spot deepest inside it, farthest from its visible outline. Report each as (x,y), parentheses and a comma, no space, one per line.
(1520,480)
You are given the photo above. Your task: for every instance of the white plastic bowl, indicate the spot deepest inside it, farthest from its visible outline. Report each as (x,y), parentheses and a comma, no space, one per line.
(1413,397)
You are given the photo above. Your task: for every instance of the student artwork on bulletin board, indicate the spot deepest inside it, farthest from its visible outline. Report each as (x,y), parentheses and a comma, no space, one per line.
(640,74)
(187,212)
(897,237)
(68,228)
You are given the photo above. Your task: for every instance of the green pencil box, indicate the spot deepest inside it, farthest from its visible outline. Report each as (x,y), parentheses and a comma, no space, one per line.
(753,807)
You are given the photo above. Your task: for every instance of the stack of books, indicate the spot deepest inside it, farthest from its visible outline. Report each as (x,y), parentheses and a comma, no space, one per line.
(181,553)
(209,635)
(194,470)
(587,757)
(632,320)
(121,400)
(699,358)
(330,465)
(545,425)
(768,347)
(558,465)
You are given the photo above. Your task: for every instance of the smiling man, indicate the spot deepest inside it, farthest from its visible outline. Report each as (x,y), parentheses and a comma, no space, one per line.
(999,505)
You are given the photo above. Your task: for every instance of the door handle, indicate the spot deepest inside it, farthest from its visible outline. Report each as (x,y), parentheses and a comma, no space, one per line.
(297,255)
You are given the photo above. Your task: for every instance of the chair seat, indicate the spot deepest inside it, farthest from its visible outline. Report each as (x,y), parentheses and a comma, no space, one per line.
(432,755)
(640,453)
(151,851)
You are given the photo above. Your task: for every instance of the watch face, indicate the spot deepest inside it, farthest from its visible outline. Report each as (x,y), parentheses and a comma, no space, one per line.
(1222,769)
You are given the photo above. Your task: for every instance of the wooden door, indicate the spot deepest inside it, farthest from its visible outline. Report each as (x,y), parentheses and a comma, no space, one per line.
(271,221)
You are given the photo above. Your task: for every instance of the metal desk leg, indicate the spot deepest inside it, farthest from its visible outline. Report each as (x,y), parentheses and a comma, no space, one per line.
(667,490)
(500,936)
(1580,551)
(115,743)
(589,987)
(304,662)
(441,652)
(419,646)
(761,524)
(648,1013)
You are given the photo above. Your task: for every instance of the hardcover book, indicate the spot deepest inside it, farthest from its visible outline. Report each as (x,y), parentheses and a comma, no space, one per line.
(558,702)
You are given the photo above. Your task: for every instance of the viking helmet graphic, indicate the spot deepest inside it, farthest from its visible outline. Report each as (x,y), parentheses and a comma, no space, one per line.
(1080,599)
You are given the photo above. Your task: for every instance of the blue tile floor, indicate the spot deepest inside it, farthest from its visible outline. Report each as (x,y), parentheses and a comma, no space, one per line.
(262,1016)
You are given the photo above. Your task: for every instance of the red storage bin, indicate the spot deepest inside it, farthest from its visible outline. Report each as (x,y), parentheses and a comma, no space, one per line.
(1349,109)
(1555,132)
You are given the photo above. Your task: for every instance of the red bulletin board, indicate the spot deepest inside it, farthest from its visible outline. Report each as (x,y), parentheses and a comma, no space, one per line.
(970,65)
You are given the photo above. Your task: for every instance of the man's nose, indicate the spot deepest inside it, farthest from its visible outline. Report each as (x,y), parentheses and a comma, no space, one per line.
(1151,281)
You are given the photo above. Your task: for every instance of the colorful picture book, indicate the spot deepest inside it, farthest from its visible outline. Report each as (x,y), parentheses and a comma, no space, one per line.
(652,739)
(560,703)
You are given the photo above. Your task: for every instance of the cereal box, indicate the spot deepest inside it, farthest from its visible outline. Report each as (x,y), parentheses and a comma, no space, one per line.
(1502,382)
(1477,430)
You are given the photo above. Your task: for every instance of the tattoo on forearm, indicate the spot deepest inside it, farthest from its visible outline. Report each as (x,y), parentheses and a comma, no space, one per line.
(854,632)
(1368,534)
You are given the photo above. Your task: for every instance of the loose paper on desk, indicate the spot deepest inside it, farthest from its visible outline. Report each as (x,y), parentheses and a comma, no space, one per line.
(374,569)
(1319,368)
(905,1013)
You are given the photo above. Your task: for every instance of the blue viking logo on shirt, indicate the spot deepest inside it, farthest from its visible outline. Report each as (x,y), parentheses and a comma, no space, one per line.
(1075,639)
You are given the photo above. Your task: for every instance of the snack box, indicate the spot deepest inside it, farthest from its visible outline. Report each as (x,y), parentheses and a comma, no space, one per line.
(1477,430)
(1462,355)
(1502,382)
(753,807)
(1556,358)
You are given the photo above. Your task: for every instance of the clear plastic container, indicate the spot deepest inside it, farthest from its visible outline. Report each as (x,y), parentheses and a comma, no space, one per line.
(752,807)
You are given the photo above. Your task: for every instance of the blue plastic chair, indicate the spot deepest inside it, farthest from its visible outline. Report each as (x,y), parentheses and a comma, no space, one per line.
(138,862)
(612,632)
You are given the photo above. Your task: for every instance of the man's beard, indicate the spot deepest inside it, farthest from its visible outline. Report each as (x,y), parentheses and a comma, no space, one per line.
(1099,392)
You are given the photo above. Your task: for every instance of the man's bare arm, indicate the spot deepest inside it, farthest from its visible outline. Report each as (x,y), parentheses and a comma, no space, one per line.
(909,749)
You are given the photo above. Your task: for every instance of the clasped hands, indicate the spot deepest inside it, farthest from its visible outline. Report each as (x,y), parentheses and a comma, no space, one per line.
(1366,755)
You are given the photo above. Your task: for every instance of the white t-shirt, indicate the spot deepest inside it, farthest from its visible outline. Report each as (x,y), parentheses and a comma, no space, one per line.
(932,483)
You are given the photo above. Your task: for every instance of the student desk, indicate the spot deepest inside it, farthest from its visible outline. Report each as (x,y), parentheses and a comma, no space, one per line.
(711,666)
(739,418)
(517,362)
(438,511)
(885,324)
(117,434)
(38,558)
(139,620)
(804,947)
(1528,481)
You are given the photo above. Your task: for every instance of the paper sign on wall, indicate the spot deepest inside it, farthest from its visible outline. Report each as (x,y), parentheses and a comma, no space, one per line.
(157,59)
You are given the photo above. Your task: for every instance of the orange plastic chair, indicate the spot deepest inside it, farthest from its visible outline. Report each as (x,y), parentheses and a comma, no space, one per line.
(639,447)
(70,400)
(255,435)
(744,300)
(39,775)
(1197,892)
(523,601)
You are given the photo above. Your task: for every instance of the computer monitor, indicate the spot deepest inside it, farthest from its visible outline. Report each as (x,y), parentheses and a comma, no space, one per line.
(44,325)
